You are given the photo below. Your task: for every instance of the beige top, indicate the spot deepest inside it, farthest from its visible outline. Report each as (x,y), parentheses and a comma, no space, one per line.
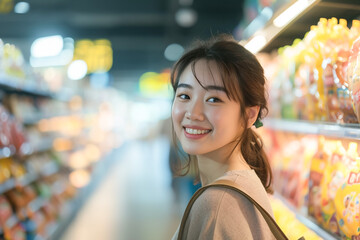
(221,213)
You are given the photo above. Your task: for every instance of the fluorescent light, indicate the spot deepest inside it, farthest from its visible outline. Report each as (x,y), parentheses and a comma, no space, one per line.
(255,44)
(47,46)
(63,58)
(258,22)
(290,13)
(21,7)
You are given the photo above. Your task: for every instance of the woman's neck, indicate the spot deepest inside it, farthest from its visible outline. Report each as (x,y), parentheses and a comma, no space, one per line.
(213,167)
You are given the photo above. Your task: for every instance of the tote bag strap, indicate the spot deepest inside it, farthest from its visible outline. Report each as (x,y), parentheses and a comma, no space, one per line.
(275,229)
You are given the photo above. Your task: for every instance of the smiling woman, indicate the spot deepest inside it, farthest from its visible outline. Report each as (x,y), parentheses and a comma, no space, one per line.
(219,95)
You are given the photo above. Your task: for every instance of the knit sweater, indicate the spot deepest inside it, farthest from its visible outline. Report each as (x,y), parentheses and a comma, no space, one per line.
(224,214)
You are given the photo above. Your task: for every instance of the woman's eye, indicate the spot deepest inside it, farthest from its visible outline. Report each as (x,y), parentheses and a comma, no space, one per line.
(214,100)
(183,96)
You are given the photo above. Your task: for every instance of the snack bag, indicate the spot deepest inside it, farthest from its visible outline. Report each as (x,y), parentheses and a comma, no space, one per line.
(334,175)
(347,197)
(347,204)
(353,76)
(317,167)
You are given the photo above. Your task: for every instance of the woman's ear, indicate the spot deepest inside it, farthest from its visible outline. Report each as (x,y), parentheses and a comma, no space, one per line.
(252,113)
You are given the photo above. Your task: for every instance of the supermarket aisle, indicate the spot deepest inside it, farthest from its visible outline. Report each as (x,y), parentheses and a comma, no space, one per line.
(134,200)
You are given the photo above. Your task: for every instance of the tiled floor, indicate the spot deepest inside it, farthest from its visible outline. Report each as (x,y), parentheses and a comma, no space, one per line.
(134,201)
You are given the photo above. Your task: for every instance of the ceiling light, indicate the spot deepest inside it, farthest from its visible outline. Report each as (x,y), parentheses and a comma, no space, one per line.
(47,46)
(255,44)
(77,70)
(47,55)
(186,17)
(173,52)
(21,7)
(292,12)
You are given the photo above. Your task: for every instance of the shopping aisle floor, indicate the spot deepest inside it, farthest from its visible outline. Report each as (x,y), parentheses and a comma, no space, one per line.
(134,201)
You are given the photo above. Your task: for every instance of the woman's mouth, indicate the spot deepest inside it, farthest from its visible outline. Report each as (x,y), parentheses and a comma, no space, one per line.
(194,131)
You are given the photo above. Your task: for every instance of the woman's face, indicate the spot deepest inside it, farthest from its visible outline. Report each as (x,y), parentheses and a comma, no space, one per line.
(205,119)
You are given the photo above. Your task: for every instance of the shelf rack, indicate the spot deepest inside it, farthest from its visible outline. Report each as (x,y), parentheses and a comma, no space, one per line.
(48,170)
(307,220)
(13,85)
(277,37)
(349,131)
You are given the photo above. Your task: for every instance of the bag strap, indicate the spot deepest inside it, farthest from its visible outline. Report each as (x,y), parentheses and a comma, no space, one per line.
(275,229)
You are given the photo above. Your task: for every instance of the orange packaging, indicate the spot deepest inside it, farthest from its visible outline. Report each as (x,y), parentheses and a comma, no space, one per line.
(317,167)
(354,76)
(334,175)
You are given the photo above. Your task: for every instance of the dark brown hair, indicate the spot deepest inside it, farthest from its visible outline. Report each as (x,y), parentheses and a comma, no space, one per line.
(244,80)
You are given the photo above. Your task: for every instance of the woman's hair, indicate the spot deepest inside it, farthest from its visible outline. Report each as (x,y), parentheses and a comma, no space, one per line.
(244,81)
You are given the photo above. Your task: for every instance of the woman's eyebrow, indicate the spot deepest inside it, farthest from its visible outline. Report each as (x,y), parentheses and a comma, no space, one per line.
(207,88)
(213,87)
(184,85)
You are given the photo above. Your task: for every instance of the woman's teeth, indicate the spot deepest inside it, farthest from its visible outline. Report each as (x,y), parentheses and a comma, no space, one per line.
(196,131)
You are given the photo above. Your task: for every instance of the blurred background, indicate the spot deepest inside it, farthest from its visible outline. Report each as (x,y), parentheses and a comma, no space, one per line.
(85,129)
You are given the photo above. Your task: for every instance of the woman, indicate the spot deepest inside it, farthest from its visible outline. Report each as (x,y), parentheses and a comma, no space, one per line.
(219,95)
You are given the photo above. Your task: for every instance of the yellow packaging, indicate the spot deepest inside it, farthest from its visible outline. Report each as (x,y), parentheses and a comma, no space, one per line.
(347,204)
(334,176)
(317,167)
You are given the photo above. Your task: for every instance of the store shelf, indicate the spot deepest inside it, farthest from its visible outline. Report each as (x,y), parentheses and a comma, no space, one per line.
(36,118)
(12,85)
(307,221)
(277,37)
(7,185)
(45,146)
(48,170)
(37,203)
(33,206)
(350,131)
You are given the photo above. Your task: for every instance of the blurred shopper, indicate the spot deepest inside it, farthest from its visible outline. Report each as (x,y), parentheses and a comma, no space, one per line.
(219,96)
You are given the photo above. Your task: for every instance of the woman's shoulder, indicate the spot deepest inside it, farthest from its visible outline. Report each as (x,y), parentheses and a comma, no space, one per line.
(219,198)
(214,197)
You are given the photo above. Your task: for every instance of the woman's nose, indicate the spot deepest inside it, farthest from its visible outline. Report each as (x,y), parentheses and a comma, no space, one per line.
(195,112)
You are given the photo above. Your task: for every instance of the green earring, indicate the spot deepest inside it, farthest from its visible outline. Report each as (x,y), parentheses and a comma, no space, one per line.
(258,123)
